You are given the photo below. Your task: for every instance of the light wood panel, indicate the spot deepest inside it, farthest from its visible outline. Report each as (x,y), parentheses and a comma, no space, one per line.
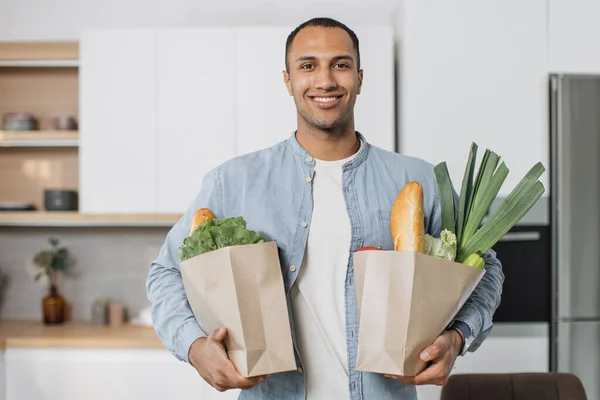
(43,92)
(26,172)
(75,219)
(39,50)
(33,334)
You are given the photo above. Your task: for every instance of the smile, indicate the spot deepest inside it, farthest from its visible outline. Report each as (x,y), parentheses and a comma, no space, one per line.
(326,101)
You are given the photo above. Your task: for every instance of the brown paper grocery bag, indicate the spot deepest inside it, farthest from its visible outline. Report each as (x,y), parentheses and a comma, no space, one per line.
(405,300)
(241,288)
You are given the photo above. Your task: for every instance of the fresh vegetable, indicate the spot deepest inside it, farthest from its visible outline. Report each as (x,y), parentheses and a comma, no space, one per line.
(475,237)
(215,234)
(369,248)
(444,185)
(475,260)
(442,247)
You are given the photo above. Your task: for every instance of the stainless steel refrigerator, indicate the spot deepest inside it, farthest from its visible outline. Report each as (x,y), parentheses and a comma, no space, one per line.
(575,222)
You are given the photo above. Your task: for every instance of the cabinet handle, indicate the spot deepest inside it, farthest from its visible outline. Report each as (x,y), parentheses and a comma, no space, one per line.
(521,237)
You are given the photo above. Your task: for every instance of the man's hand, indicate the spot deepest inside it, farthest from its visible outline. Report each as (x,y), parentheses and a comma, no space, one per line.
(210,359)
(442,354)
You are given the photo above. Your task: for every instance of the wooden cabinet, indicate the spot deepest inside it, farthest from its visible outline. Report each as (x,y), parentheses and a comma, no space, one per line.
(99,374)
(475,72)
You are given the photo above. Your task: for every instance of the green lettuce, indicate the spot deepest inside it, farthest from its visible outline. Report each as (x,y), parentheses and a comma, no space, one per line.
(218,233)
(443,247)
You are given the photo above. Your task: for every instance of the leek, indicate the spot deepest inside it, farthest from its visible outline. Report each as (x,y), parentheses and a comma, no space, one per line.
(466,193)
(488,191)
(520,200)
(473,237)
(446,193)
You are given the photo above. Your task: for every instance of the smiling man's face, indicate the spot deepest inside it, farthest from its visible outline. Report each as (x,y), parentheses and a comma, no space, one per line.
(323,77)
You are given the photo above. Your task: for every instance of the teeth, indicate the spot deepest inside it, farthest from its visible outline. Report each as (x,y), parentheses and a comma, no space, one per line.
(325,99)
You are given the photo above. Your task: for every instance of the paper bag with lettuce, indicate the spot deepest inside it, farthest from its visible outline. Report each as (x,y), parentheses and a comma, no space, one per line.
(232,278)
(408,295)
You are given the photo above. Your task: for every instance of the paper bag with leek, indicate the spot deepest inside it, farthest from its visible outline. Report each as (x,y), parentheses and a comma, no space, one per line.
(407,296)
(232,278)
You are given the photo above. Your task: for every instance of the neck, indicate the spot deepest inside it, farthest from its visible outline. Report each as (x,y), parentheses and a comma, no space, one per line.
(328,145)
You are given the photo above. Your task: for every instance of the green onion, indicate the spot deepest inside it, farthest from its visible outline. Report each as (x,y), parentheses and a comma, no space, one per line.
(445,191)
(466,193)
(520,200)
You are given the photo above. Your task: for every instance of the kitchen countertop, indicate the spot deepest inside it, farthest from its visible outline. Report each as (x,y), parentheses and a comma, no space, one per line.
(34,334)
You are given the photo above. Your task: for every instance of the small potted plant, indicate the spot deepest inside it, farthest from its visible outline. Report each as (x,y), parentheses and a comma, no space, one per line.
(51,263)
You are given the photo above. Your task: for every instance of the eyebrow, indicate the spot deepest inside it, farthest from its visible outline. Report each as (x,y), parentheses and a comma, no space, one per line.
(336,58)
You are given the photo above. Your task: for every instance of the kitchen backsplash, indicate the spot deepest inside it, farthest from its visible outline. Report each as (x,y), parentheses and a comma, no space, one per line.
(109,262)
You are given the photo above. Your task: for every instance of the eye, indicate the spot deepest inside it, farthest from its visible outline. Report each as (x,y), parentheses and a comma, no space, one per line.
(341,65)
(307,66)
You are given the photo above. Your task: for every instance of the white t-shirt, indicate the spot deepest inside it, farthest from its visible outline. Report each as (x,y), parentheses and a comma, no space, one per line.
(318,296)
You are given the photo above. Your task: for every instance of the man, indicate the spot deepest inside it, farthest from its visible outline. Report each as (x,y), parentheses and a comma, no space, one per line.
(322,193)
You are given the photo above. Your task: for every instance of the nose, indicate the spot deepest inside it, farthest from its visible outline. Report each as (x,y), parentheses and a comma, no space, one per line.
(325,80)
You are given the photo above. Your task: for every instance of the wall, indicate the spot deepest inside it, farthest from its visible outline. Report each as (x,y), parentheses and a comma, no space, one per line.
(64,19)
(109,262)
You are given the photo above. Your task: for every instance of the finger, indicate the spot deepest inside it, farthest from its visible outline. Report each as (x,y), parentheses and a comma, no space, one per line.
(410,380)
(436,350)
(435,374)
(218,334)
(236,380)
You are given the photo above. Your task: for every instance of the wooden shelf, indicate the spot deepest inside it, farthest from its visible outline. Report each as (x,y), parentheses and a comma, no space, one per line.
(23,50)
(75,219)
(39,63)
(39,138)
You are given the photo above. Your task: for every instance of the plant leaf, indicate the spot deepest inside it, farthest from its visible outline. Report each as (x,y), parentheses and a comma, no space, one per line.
(466,192)
(446,194)
(520,200)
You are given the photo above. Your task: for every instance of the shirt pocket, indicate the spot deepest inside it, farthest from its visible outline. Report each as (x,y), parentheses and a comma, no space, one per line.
(384,235)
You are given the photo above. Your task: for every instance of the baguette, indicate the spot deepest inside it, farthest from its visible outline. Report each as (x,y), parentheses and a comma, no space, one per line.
(407,221)
(201,216)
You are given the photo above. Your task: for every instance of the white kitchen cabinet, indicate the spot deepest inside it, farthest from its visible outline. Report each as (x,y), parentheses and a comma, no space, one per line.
(375,109)
(266,113)
(195,110)
(117,170)
(474,71)
(160,107)
(100,374)
(573,36)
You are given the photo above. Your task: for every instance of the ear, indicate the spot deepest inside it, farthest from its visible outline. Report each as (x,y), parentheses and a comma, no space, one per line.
(286,80)
(360,81)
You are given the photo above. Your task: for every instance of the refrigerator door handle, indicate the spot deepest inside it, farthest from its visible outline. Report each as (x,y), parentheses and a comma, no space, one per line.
(521,237)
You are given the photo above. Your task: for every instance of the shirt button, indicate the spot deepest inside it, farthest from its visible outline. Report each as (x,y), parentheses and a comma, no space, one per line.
(299,370)
(308,179)
(292,268)
(309,159)
(303,224)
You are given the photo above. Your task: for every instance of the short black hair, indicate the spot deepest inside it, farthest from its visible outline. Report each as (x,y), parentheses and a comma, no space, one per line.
(322,22)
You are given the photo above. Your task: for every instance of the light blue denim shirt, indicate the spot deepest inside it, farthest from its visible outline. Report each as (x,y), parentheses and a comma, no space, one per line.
(272,190)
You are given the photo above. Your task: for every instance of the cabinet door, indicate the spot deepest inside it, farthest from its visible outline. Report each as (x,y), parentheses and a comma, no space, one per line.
(475,71)
(196,110)
(375,106)
(574,32)
(118,122)
(266,113)
(116,374)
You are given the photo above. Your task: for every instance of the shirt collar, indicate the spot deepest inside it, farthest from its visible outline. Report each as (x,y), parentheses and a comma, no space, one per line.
(301,153)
